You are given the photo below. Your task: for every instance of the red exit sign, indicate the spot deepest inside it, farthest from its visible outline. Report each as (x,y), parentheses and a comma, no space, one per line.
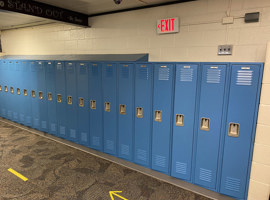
(170,25)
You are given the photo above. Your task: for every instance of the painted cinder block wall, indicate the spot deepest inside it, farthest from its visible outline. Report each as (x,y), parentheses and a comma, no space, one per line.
(201,30)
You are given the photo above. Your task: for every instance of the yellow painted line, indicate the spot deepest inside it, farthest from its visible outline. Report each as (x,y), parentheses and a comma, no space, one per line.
(115,194)
(18,174)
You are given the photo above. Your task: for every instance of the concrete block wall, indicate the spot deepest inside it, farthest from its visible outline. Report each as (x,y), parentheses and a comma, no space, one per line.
(201,30)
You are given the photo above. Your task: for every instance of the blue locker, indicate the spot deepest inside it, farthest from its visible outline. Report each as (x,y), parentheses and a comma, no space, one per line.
(96,106)
(184,117)
(16,82)
(83,104)
(125,110)
(19,87)
(143,109)
(50,96)
(109,79)
(26,85)
(212,99)
(71,101)
(10,90)
(240,127)
(1,88)
(162,111)
(61,99)
(4,88)
(34,94)
(41,96)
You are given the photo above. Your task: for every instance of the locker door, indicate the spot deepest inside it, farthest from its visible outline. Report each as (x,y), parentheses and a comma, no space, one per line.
(41,96)
(50,97)
(210,121)
(26,93)
(10,91)
(72,102)
(1,88)
(109,79)
(241,119)
(125,111)
(162,112)
(61,99)
(19,91)
(184,114)
(83,104)
(34,95)
(143,118)
(96,106)
(16,104)
(4,88)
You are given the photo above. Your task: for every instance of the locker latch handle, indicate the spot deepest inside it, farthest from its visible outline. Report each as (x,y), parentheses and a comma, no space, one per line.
(205,124)
(11,90)
(107,107)
(158,115)
(59,98)
(25,92)
(50,96)
(69,100)
(33,94)
(122,109)
(93,104)
(40,95)
(234,130)
(139,112)
(179,120)
(6,90)
(81,102)
(0,88)
(18,91)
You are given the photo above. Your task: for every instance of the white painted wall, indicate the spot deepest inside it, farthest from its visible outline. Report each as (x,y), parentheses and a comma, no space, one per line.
(201,31)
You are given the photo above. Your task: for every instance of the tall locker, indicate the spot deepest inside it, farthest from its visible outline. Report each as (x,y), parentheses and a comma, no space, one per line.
(125,110)
(26,93)
(209,125)
(4,88)
(240,127)
(109,83)
(34,94)
(50,96)
(16,82)
(10,90)
(1,88)
(61,99)
(41,96)
(20,67)
(162,111)
(83,104)
(143,118)
(184,118)
(71,101)
(96,106)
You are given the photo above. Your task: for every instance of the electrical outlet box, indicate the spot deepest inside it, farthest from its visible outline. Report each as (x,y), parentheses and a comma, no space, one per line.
(225,49)
(227,20)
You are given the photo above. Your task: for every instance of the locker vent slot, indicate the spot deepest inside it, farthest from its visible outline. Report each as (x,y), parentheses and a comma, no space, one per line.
(53,127)
(124,149)
(36,122)
(164,74)
(94,70)
(72,133)
(205,175)
(186,75)
(244,77)
(83,136)
(125,72)
(21,117)
(43,124)
(160,161)
(59,66)
(142,154)
(232,184)
(143,74)
(62,130)
(109,145)
(96,141)
(109,72)
(28,120)
(82,69)
(213,75)
(181,168)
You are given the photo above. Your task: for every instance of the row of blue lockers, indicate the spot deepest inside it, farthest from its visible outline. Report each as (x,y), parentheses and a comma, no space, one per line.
(193,121)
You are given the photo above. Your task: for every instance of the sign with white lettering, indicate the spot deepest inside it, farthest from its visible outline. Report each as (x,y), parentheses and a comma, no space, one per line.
(170,25)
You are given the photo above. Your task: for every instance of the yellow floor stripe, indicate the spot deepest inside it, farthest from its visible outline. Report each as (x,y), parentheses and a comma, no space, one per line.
(17,174)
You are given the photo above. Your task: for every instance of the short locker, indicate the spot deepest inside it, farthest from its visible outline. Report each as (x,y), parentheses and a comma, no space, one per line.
(162,112)
(240,128)
(96,106)
(212,99)
(50,96)
(61,99)
(26,93)
(109,83)
(10,90)
(143,111)
(71,101)
(83,103)
(34,95)
(125,110)
(41,96)
(184,117)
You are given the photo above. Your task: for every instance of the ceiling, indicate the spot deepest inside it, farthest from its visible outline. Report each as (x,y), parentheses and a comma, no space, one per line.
(90,7)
